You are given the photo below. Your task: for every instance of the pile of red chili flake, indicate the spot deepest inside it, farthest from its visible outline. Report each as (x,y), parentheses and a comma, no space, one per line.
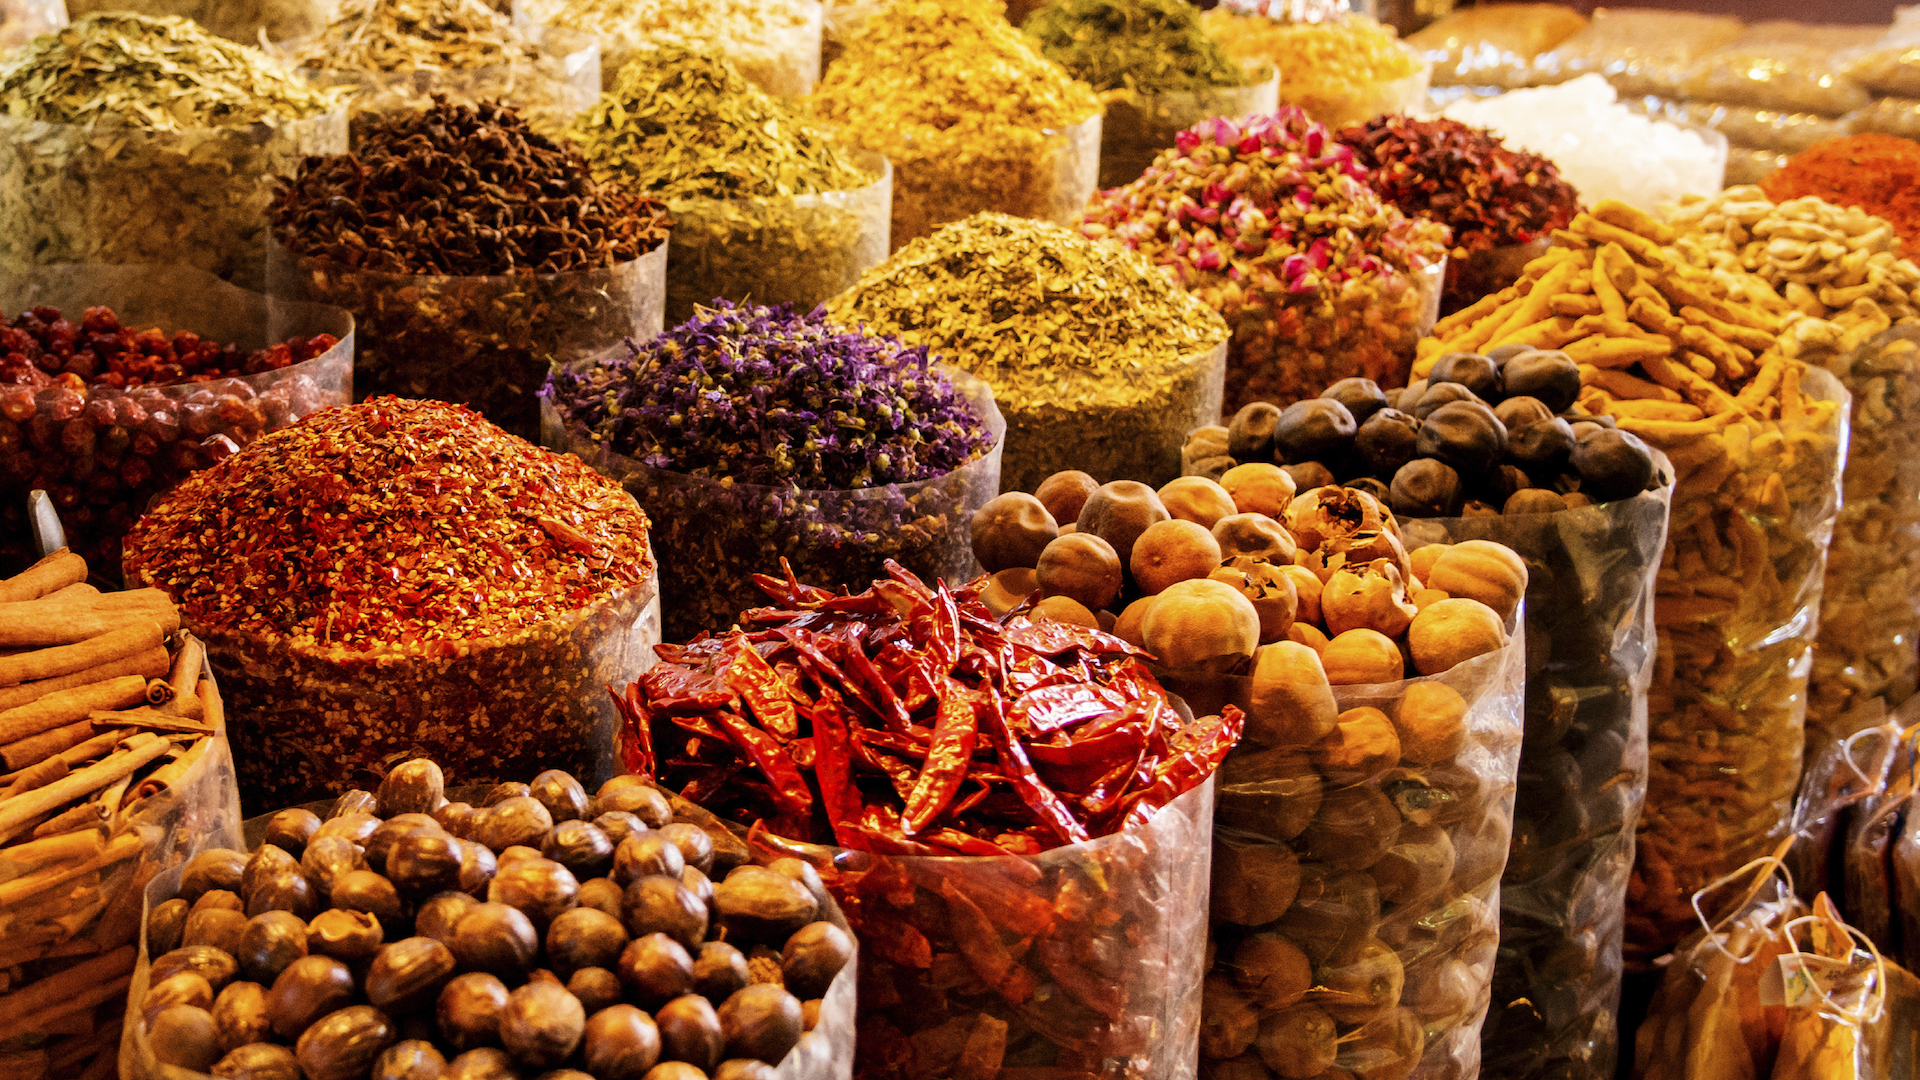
(907,720)
(40,345)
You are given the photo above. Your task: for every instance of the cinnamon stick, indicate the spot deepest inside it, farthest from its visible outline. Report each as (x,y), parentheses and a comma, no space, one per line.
(51,574)
(127,636)
(76,624)
(159,692)
(20,809)
(35,749)
(37,775)
(23,859)
(64,985)
(85,598)
(124,846)
(146,720)
(149,664)
(87,815)
(79,591)
(98,746)
(86,999)
(70,706)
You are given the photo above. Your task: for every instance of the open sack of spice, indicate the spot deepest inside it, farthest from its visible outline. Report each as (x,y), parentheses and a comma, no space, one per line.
(116,768)
(718,429)
(121,380)
(408,932)
(401,576)
(1777,988)
(1012,811)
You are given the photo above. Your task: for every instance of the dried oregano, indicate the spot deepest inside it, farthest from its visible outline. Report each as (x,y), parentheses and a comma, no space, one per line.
(776,43)
(415,35)
(1145,46)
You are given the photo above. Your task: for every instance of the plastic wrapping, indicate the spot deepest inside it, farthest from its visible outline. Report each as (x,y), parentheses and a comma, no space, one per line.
(547,92)
(1483,273)
(126,446)
(1746,165)
(1886,116)
(485,342)
(1130,435)
(1368,329)
(23,20)
(308,721)
(1368,907)
(839,22)
(1493,44)
(1105,981)
(1782,65)
(1736,607)
(1891,64)
(1139,126)
(1340,103)
(1639,50)
(712,536)
(794,249)
(115,194)
(1582,776)
(1750,127)
(782,60)
(1840,775)
(244,21)
(1052,184)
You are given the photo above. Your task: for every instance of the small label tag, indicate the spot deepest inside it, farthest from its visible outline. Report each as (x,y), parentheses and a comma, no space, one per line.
(1798,979)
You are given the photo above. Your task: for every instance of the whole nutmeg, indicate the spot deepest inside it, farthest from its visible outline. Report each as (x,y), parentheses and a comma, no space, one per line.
(636,798)
(184,988)
(477,867)
(217,927)
(762,905)
(344,1045)
(541,1024)
(411,787)
(1388,440)
(423,863)
(655,969)
(408,975)
(803,872)
(696,846)
(701,886)
(184,1036)
(582,848)
(639,856)
(1362,397)
(241,1016)
(813,956)
(289,830)
(1081,567)
(258,1061)
(1471,370)
(690,1031)
(350,936)
(661,904)
(597,988)
(500,793)
(519,821)
(761,1022)
(482,1063)
(498,939)
(217,900)
(1318,429)
(269,942)
(541,888)
(468,1010)
(310,988)
(364,890)
(585,937)
(721,970)
(620,1043)
(288,890)
(562,795)
(602,894)
(165,925)
(327,858)
(618,825)
(380,842)
(677,1070)
(1118,512)
(1011,530)
(353,801)
(745,1069)
(414,1059)
(356,827)
(441,913)
(458,818)
(1465,435)
(1250,432)
(217,967)
(214,868)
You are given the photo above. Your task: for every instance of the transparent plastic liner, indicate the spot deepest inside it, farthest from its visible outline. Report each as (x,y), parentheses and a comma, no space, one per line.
(1582,776)
(548,92)
(1137,128)
(1493,45)
(1746,165)
(1750,127)
(23,20)
(1369,328)
(1774,75)
(1886,116)
(1049,178)
(1486,272)
(1341,103)
(1736,608)
(1105,978)
(1638,50)
(710,536)
(1134,437)
(311,721)
(103,454)
(115,194)
(839,23)
(784,62)
(1373,902)
(796,249)
(485,342)
(239,20)
(1869,643)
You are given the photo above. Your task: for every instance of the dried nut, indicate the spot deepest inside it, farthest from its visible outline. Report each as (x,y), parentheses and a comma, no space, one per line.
(1453,631)
(1202,624)
(1431,720)
(1363,656)
(412,787)
(1258,487)
(1361,746)
(1172,551)
(1197,499)
(1012,530)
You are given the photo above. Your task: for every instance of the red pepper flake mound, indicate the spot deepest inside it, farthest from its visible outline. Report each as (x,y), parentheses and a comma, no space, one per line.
(40,347)
(388,524)
(907,720)
(1465,177)
(1877,173)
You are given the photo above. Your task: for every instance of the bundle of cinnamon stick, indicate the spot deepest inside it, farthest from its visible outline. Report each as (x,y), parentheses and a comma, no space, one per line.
(103,710)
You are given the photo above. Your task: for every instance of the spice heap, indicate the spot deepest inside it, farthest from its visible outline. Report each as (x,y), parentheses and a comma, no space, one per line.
(1811,252)
(1318,277)
(441,934)
(104,724)
(967,109)
(1877,173)
(415,35)
(749,434)
(82,416)
(527,260)
(776,43)
(1701,363)
(937,730)
(1342,70)
(1098,361)
(1142,46)
(1468,180)
(401,551)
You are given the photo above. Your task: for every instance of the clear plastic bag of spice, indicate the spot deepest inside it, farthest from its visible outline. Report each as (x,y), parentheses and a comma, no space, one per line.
(23,20)
(1750,126)
(486,342)
(1736,609)
(1103,979)
(1638,50)
(795,249)
(1493,44)
(1368,327)
(1138,127)
(1746,165)
(782,60)
(1582,775)
(115,194)
(712,536)
(548,92)
(1869,643)
(1353,918)
(103,453)
(1886,116)
(1049,178)
(239,20)
(1793,67)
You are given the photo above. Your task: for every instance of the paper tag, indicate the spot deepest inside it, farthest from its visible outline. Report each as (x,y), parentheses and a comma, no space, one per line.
(1798,979)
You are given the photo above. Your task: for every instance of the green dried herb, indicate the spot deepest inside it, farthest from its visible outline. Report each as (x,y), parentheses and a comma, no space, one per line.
(415,35)
(775,43)
(165,74)
(1144,46)
(1093,353)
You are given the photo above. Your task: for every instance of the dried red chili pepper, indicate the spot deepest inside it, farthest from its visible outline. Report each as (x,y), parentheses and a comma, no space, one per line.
(948,755)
